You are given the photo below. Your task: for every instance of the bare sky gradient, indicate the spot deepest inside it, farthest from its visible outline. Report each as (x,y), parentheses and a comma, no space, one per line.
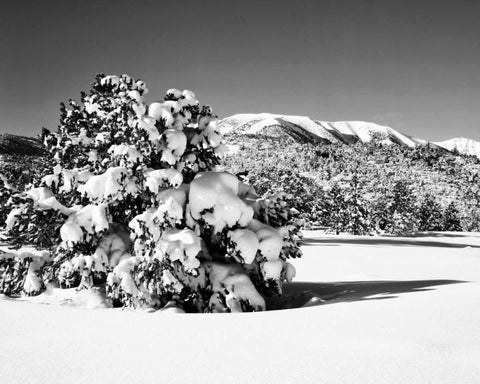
(411,64)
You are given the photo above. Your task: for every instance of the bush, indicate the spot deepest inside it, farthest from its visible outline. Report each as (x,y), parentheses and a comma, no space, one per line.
(132,204)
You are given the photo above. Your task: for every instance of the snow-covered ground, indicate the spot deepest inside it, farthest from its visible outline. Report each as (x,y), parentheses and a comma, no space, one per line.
(375,310)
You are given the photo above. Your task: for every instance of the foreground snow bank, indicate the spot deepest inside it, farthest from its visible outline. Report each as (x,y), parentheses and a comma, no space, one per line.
(394,310)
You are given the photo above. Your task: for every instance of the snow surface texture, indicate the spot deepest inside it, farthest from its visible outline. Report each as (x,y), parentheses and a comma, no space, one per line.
(376,310)
(333,132)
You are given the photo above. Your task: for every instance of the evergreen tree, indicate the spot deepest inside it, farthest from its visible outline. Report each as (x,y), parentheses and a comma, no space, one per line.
(353,216)
(430,215)
(132,204)
(451,219)
(401,208)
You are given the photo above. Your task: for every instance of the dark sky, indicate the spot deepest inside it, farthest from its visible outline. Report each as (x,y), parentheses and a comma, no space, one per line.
(411,64)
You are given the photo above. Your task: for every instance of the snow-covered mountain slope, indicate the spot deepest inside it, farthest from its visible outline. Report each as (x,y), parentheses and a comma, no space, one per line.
(302,127)
(462,145)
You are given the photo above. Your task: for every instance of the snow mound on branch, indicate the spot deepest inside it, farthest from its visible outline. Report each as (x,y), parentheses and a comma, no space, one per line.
(270,240)
(44,200)
(84,223)
(122,276)
(176,141)
(127,154)
(232,287)
(114,184)
(69,178)
(148,124)
(27,252)
(151,223)
(245,243)
(289,271)
(112,248)
(214,198)
(39,194)
(182,245)
(162,178)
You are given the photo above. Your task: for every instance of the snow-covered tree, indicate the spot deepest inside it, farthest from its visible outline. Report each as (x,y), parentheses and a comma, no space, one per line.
(400,208)
(133,204)
(451,218)
(430,214)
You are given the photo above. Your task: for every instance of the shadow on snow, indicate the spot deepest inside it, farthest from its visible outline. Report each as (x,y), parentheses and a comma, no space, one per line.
(307,294)
(393,242)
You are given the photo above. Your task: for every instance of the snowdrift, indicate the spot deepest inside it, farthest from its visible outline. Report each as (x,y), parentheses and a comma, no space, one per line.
(375,310)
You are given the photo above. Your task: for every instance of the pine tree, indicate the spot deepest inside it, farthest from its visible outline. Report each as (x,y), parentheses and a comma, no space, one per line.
(400,209)
(451,218)
(349,208)
(358,220)
(132,204)
(430,214)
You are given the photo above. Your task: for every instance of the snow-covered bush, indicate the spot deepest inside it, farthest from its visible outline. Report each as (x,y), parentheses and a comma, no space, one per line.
(133,204)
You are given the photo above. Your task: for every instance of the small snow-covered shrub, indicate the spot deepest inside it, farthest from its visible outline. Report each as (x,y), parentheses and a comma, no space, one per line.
(133,204)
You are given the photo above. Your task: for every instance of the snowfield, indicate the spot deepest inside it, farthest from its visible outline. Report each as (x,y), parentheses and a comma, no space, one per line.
(373,310)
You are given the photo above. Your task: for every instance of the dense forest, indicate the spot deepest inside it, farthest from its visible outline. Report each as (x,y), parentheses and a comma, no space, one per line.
(363,188)
(359,188)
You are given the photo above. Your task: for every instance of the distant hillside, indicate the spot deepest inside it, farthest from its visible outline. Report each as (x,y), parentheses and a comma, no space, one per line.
(306,130)
(22,160)
(20,145)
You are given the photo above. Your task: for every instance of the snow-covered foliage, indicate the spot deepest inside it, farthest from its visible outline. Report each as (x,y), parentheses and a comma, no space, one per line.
(362,188)
(133,204)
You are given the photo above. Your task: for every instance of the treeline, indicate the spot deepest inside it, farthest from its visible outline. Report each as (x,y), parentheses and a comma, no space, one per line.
(359,189)
(364,188)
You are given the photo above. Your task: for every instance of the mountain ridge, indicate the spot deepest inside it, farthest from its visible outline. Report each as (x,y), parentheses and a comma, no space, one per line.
(20,145)
(300,128)
(303,128)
